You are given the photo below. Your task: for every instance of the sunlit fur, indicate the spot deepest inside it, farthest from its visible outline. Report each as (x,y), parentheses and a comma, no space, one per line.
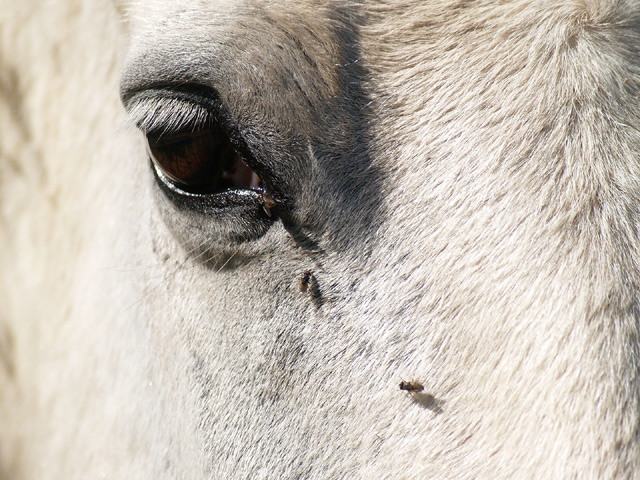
(466,185)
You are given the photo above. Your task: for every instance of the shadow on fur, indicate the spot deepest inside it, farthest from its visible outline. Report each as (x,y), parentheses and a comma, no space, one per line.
(301,239)
(428,401)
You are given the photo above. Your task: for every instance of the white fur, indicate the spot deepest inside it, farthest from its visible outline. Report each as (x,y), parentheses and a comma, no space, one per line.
(467,171)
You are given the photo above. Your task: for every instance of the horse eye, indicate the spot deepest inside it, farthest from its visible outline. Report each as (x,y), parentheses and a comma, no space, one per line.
(202,162)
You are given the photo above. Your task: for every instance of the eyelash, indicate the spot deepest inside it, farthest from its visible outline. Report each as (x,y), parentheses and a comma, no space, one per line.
(166,112)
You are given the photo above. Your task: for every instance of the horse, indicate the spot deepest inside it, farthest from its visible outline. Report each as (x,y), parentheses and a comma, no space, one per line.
(340,239)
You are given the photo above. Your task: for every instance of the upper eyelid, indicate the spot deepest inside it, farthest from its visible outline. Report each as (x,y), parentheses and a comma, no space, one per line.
(159,113)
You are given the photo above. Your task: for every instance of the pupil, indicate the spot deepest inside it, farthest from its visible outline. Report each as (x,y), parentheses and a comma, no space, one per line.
(188,160)
(201,162)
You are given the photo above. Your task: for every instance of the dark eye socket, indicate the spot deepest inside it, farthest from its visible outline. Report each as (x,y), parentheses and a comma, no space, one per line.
(202,162)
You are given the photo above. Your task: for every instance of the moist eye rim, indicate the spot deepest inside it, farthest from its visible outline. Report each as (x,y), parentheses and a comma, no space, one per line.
(171,185)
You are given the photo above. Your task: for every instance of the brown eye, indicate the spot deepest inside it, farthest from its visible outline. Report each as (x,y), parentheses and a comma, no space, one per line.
(202,162)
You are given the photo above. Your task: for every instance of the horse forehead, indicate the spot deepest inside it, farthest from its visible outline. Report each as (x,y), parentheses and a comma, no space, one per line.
(193,31)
